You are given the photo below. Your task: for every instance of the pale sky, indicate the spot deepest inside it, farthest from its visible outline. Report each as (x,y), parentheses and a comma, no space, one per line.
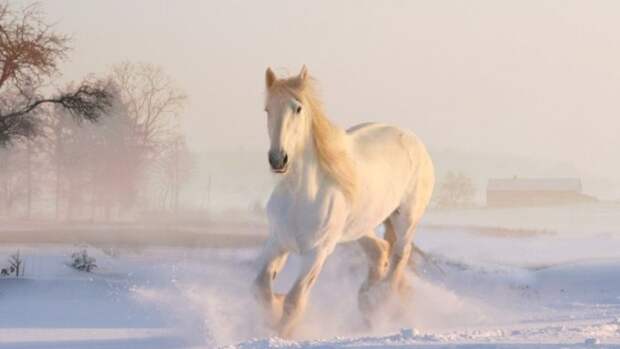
(530,78)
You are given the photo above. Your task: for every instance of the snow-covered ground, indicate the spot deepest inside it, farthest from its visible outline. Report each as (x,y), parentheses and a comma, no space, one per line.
(559,288)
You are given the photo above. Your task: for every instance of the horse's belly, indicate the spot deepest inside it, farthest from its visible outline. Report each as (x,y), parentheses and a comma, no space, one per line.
(370,213)
(380,196)
(364,221)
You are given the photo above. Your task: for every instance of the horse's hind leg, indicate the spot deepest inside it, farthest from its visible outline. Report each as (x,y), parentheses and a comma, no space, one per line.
(389,234)
(400,232)
(272,262)
(377,251)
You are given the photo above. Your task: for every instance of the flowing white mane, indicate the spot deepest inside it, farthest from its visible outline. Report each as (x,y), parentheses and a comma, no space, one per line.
(329,140)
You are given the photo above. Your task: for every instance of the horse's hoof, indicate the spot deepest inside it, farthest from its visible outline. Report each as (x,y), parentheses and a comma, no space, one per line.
(276,309)
(371,300)
(285,332)
(366,325)
(403,290)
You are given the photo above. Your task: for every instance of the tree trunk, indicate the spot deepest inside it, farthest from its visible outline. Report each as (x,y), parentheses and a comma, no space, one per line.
(28,178)
(176,179)
(58,159)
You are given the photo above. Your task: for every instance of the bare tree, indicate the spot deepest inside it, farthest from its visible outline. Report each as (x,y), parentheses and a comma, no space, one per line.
(13,183)
(30,52)
(94,166)
(456,190)
(174,168)
(153,102)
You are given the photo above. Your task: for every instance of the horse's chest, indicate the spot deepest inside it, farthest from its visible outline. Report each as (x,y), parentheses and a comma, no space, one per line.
(300,223)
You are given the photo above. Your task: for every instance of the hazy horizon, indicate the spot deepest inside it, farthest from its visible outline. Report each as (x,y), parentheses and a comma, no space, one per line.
(531,79)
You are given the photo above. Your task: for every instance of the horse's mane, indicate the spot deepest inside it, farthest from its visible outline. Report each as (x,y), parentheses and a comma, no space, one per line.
(329,140)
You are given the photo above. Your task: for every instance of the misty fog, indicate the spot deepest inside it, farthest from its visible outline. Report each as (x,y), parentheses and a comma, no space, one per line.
(531,82)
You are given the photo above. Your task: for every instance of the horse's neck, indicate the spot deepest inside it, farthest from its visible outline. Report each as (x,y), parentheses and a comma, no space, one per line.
(306,172)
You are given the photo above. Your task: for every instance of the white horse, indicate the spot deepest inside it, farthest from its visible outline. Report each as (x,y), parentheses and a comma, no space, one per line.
(336,186)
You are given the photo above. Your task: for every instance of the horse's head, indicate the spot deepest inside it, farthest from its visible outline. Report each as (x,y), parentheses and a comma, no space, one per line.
(287,118)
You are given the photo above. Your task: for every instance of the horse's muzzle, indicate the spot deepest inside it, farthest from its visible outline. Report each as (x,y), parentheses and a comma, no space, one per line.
(278,160)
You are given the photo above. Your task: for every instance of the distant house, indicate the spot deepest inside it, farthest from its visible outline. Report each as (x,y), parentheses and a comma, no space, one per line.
(512,192)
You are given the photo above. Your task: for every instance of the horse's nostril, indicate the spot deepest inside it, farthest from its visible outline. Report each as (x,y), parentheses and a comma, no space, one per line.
(277,159)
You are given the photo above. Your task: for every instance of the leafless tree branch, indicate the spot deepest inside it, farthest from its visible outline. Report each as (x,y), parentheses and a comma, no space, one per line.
(30,52)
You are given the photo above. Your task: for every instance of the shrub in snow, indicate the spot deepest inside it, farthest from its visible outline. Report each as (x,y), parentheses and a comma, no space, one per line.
(16,266)
(83,262)
(407,333)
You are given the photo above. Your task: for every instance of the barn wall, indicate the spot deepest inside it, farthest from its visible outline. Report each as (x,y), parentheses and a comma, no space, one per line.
(534,198)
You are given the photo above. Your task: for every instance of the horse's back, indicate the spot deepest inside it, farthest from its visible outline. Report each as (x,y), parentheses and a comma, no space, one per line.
(361,126)
(370,137)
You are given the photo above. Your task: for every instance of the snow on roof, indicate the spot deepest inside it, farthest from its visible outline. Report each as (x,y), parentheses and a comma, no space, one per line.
(534,184)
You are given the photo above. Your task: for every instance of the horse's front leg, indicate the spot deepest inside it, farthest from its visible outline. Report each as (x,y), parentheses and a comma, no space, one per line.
(297,299)
(272,262)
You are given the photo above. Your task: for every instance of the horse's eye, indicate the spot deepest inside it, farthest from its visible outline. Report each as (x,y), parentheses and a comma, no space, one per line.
(298,110)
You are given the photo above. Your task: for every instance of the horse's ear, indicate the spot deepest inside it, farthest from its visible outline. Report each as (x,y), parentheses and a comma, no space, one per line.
(270,77)
(303,74)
